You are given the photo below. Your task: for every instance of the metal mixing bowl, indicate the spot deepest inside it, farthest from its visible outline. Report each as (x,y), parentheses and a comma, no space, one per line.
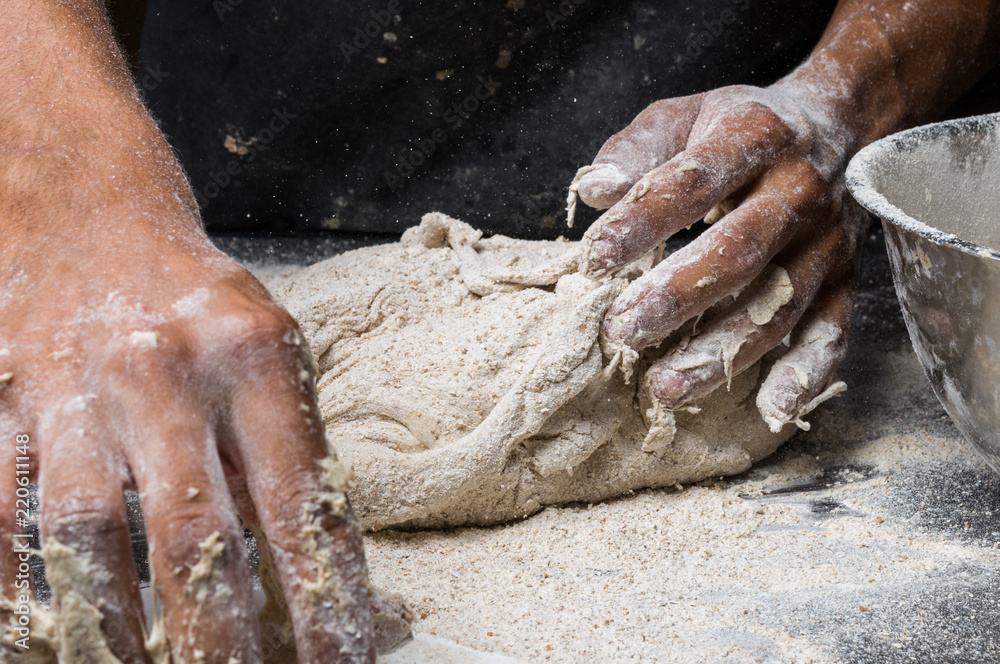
(937,191)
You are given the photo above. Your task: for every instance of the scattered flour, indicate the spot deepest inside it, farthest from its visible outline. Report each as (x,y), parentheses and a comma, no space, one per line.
(725,571)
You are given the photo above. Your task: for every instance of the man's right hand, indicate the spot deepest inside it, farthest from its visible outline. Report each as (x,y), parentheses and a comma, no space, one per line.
(133,354)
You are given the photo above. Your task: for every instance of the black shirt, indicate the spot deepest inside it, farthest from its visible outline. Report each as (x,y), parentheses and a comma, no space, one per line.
(359,115)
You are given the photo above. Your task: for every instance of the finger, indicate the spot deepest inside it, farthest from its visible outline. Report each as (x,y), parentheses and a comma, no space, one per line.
(741,332)
(720,261)
(86,543)
(298,490)
(391,617)
(197,554)
(733,152)
(805,376)
(656,135)
(277,634)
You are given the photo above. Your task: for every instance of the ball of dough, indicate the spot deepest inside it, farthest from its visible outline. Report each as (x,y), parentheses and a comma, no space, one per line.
(463,382)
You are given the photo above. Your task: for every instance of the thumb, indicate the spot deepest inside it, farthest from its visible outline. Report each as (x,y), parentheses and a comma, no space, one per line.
(654,137)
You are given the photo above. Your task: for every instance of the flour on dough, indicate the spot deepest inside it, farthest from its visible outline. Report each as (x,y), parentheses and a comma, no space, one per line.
(460,379)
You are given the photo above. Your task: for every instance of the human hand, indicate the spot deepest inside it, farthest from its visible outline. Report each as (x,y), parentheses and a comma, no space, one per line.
(133,354)
(161,365)
(764,167)
(774,159)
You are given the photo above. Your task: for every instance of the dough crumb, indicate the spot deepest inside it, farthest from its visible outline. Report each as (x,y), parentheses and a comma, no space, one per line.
(719,211)
(139,339)
(156,643)
(42,634)
(662,429)
(776,293)
(205,581)
(75,580)
(640,189)
(622,357)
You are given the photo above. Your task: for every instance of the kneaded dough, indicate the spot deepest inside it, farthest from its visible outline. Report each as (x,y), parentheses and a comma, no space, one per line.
(463,382)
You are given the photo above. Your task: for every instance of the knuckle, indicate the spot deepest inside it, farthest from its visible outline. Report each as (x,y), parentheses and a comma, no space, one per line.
(266,327)
(256,326)
(265,341)
(140,352)
(305,494)
(69,520)
(796,191)
(770,129)
(761,113)
(655,112)
(183,531)
(808,187)
(300,489)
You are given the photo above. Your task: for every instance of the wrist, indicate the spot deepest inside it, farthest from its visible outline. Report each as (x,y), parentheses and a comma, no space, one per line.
(78,150)
(81,169)
(850,80)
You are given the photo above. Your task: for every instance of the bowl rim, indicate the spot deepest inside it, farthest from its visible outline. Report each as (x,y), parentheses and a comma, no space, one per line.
(882,152)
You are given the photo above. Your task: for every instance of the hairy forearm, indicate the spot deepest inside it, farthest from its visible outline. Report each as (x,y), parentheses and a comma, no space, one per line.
(76,143)
(883,65)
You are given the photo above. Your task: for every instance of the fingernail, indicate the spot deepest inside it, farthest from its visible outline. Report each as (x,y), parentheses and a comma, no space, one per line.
(603,187)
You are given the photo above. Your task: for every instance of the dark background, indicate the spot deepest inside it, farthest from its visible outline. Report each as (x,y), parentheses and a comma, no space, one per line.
(564,76)
(575,73)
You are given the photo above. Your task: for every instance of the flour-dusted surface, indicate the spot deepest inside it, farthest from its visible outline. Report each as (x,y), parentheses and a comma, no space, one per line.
(462,381)
(869,540)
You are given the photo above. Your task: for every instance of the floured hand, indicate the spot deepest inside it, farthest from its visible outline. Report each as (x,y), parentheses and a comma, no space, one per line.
(766,172)
(765,168)
(136,355)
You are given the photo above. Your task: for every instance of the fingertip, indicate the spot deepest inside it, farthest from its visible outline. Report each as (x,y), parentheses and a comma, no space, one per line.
(602,255)
(604,186)
(392,620)
(618,327)
(780,397)
(806,376)
(670,387)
